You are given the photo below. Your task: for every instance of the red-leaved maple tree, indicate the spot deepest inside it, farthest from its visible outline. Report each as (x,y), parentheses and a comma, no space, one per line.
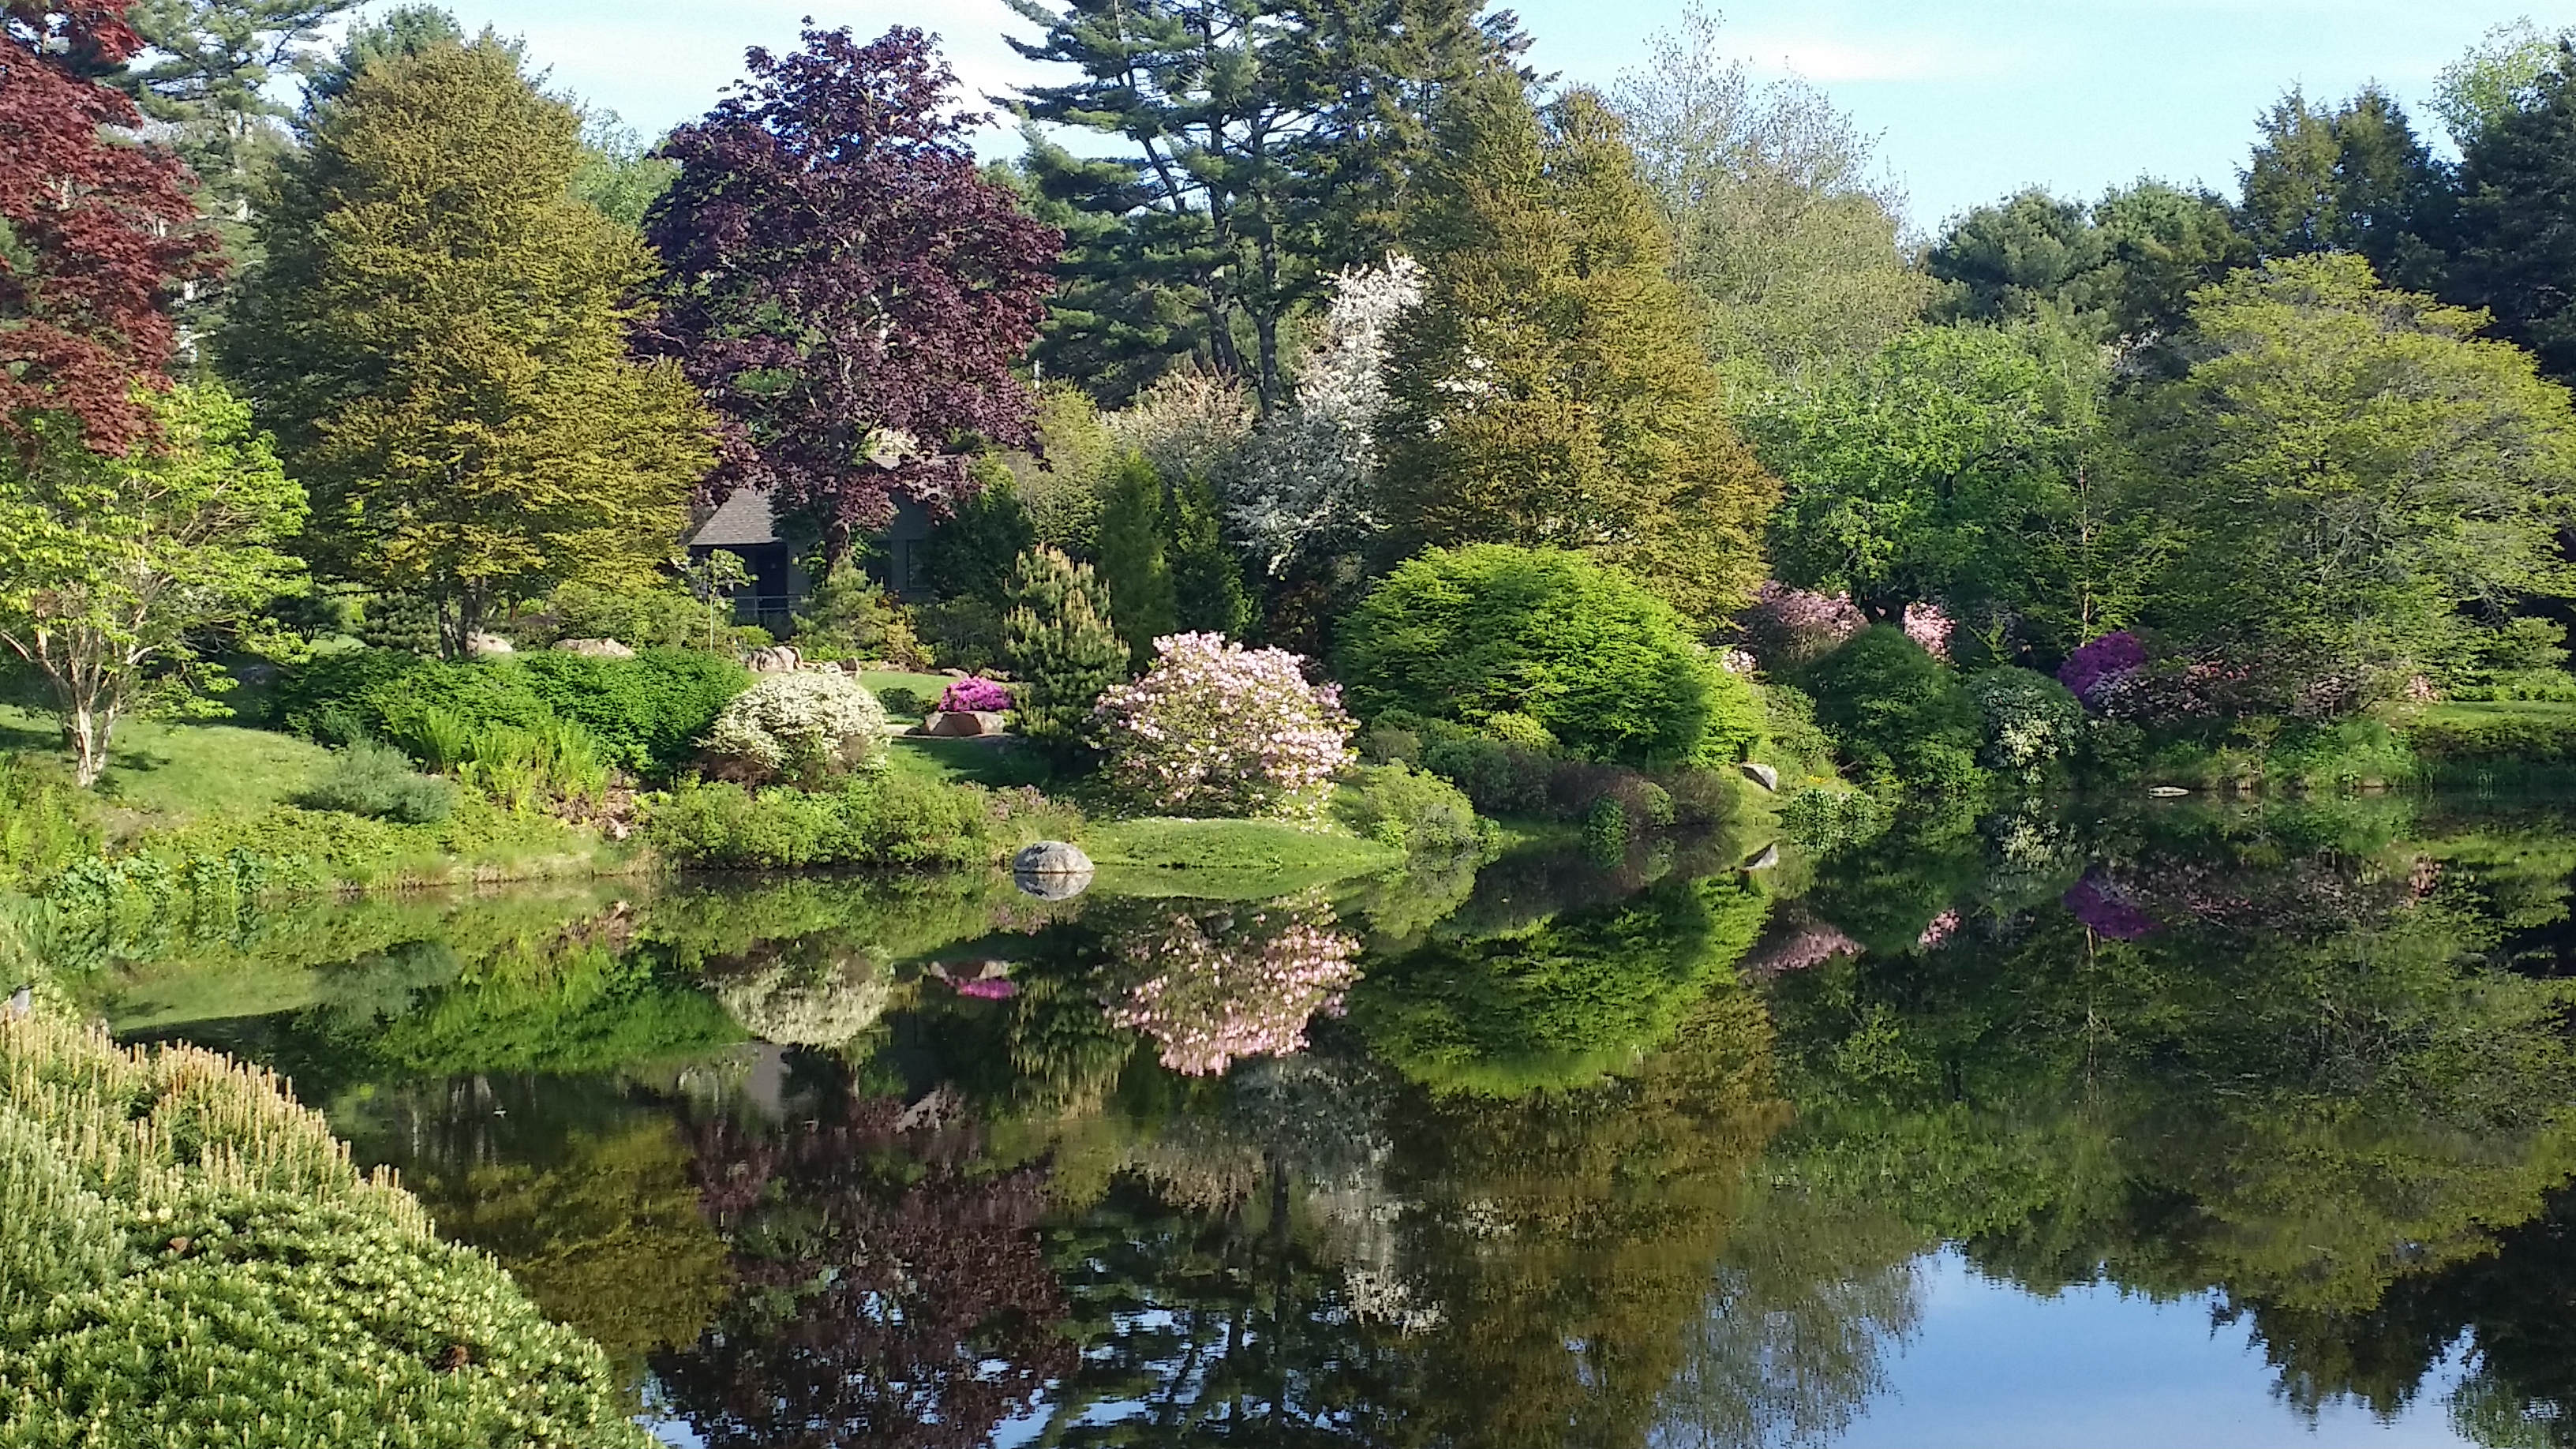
(104,234)
(847,289)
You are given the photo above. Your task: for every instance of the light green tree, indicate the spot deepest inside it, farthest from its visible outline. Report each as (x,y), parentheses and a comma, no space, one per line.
(1551,389)
(2349,480)
(438,336)
(1062,645)
(112,570)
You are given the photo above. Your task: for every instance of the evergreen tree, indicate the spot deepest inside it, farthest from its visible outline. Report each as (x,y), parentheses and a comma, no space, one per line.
(2350,179)
(1062,645)
(1551,389)
(2121,270)
(2517,227)
(1134,563)
(972,552)
(438,337)
(1276,139)
(1207,581)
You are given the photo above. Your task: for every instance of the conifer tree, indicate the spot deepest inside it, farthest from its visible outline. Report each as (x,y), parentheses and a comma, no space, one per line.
(1135,566)
(1550,390)
(1059,640)
(439,339)
(1207,580)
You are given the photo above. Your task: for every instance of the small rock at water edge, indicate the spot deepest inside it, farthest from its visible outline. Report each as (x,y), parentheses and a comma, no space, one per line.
(2166,792)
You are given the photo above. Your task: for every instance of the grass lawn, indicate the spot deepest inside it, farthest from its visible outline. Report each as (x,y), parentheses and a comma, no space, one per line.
(928,686)
(1158,855)
(177,772)
(1001,761)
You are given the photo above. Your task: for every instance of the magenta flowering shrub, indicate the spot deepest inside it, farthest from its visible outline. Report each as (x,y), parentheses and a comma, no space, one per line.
(1214,728)
(2105,909)
(2103,659)
(1928,626)
(1219,986)
(1786,627)
(973,694)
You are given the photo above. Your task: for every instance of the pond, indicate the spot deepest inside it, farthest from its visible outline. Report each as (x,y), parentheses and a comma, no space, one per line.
(2155,1123)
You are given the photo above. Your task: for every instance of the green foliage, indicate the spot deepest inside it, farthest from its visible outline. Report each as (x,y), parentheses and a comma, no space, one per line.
(1135,567)
(971,553)
(645,713)
(1550,388)
(2488,734)
(801,727)
(891,820)
(1561,1002)
(2517,222)
(377,780)
(1062,646)
(2351,179)
(2122,270)
(115,570)
(188,1256)
(1900,716)
(2343,475)
(904,703)
(1604,666)
(1207,580)
(438,335)
(848,616)
(1418,813)
(652,616)
(46,820)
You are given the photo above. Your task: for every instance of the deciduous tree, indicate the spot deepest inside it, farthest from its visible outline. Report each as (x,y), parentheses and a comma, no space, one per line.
(439,337)
(101,236)
(113,569)
(849,290)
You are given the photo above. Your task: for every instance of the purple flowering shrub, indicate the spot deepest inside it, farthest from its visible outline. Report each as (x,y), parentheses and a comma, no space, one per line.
(1786,627)
(2106,658)
(1218,986)
(973,694)
(1214,728)
(2105,909)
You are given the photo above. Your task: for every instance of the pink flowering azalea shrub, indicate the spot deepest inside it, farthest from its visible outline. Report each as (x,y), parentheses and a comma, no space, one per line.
(1214,728)
(973,694)
(1218,986)
(1930,628)
(1786,627)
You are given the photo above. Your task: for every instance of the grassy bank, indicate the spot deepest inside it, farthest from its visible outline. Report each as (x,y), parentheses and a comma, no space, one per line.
(1162,855)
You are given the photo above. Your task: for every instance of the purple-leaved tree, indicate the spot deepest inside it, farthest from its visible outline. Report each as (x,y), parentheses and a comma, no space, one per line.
(844,285)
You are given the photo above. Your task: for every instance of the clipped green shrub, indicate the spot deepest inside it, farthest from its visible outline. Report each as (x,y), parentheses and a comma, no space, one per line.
(2482,734)
(1598,664)
(902,703)
(1418,813)
(1902,718)
(872,820)
(188,1257)
(377,780)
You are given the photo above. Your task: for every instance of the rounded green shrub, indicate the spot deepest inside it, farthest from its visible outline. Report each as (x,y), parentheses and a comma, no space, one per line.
(1611,672)
(2032,724)
(1901,717)
(378,781)
(1418,813)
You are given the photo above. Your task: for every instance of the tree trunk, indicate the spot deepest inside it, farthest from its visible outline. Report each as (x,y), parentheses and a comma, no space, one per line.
(86,731)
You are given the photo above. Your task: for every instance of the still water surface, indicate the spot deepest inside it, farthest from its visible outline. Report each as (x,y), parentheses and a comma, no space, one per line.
(2157,1125)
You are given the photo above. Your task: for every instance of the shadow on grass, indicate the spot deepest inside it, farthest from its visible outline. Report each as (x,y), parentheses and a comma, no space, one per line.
(998,761)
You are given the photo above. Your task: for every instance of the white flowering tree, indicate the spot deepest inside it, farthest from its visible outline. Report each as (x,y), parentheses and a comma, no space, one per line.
(1306,485)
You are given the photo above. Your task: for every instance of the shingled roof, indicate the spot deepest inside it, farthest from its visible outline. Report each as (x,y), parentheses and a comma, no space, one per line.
(743,520)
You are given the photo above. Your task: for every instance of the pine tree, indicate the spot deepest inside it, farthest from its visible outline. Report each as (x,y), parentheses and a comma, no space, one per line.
(1135,566)
(972,552)
(1062,645)
(1207,580)
(1550,391)
(439,338)
(2517,224)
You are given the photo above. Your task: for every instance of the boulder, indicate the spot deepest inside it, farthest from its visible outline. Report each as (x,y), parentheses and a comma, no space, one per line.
(957,723)
(24,1003)
(776,659)
(1763,859)
(595,648)
(1762,775)
(1051,870)
(483,646)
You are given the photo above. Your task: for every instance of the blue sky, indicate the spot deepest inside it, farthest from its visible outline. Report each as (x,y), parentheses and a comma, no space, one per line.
(1971,99)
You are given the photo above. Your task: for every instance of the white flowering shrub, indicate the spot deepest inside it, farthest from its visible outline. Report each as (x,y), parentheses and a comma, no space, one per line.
(1306,484)
(2031,721)
(825,1004)
(800,726)
(1217,729)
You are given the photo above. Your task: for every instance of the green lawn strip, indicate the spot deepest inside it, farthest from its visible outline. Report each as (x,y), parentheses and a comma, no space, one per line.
(1160,855)
(928,686)
(1000,762)
(180,772)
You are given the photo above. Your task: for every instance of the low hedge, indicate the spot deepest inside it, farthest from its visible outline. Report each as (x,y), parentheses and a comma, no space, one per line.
(647,711)
(188,1257)
(870,820)
(2535,732)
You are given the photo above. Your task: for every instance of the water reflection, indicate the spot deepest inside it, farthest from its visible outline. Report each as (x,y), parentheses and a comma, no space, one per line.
(1547,1152)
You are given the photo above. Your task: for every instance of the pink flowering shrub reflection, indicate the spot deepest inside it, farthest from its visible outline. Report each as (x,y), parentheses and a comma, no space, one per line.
(1221,984)
(1217,729)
